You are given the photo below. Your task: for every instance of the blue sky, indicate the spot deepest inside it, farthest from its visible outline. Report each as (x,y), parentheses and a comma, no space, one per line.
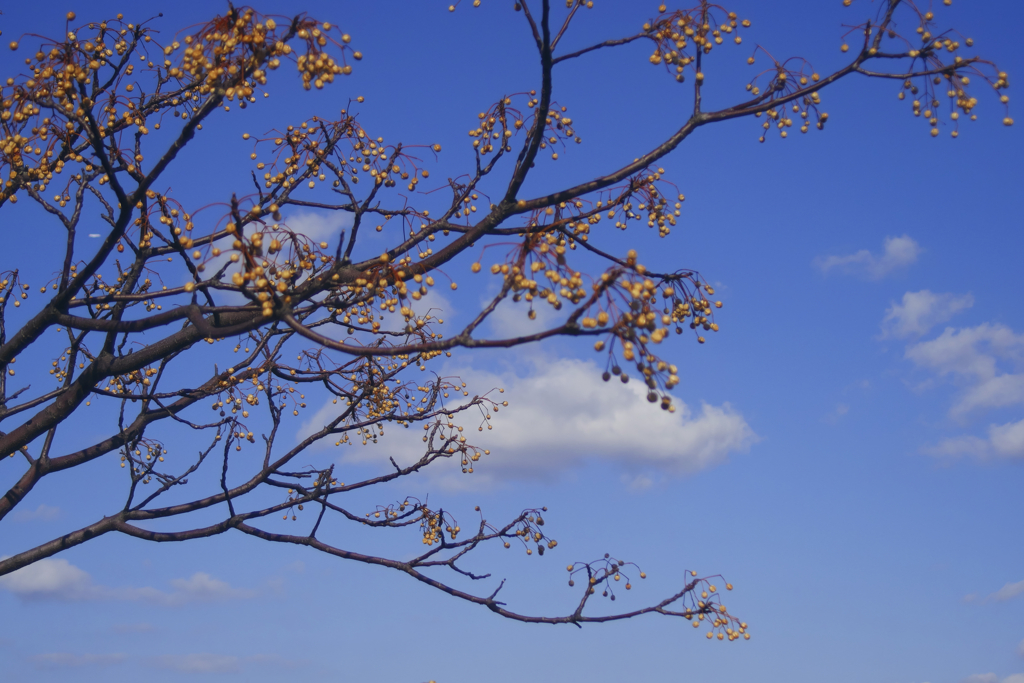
(850,455)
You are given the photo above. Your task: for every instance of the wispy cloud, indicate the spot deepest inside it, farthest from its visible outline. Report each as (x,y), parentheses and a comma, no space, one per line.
(637,483)
(59,580)
(67,660)
(985,363)
(562,415)
(897,252)
(197,663)
(973,357)
(512,320)
(992,678)
(201,587)
(43,513)
(1003,441)
(920,311)
(206,663)
(1008,439)
(277,662)
(1007,592)
(318,226)
(837,414)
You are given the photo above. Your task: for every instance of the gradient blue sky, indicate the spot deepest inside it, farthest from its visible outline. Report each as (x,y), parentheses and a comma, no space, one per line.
(852,455)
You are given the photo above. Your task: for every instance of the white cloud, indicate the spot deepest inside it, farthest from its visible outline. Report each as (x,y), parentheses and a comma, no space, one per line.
(981,360)
(1004,441)
(43,513)
(972,357)
(638,483)
(985,363)
(298,566)
(58,579)
(921,311)
(511,319)
(562,415)
(897,252)
(277,661)
(956,446)
(206,662)
(66,660)
(319,227)
(992,678)
(994,392)
(197,663)
(202,587)
(1007,592)
(434,303)
(963,351)
(1008,439)
(836,415)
